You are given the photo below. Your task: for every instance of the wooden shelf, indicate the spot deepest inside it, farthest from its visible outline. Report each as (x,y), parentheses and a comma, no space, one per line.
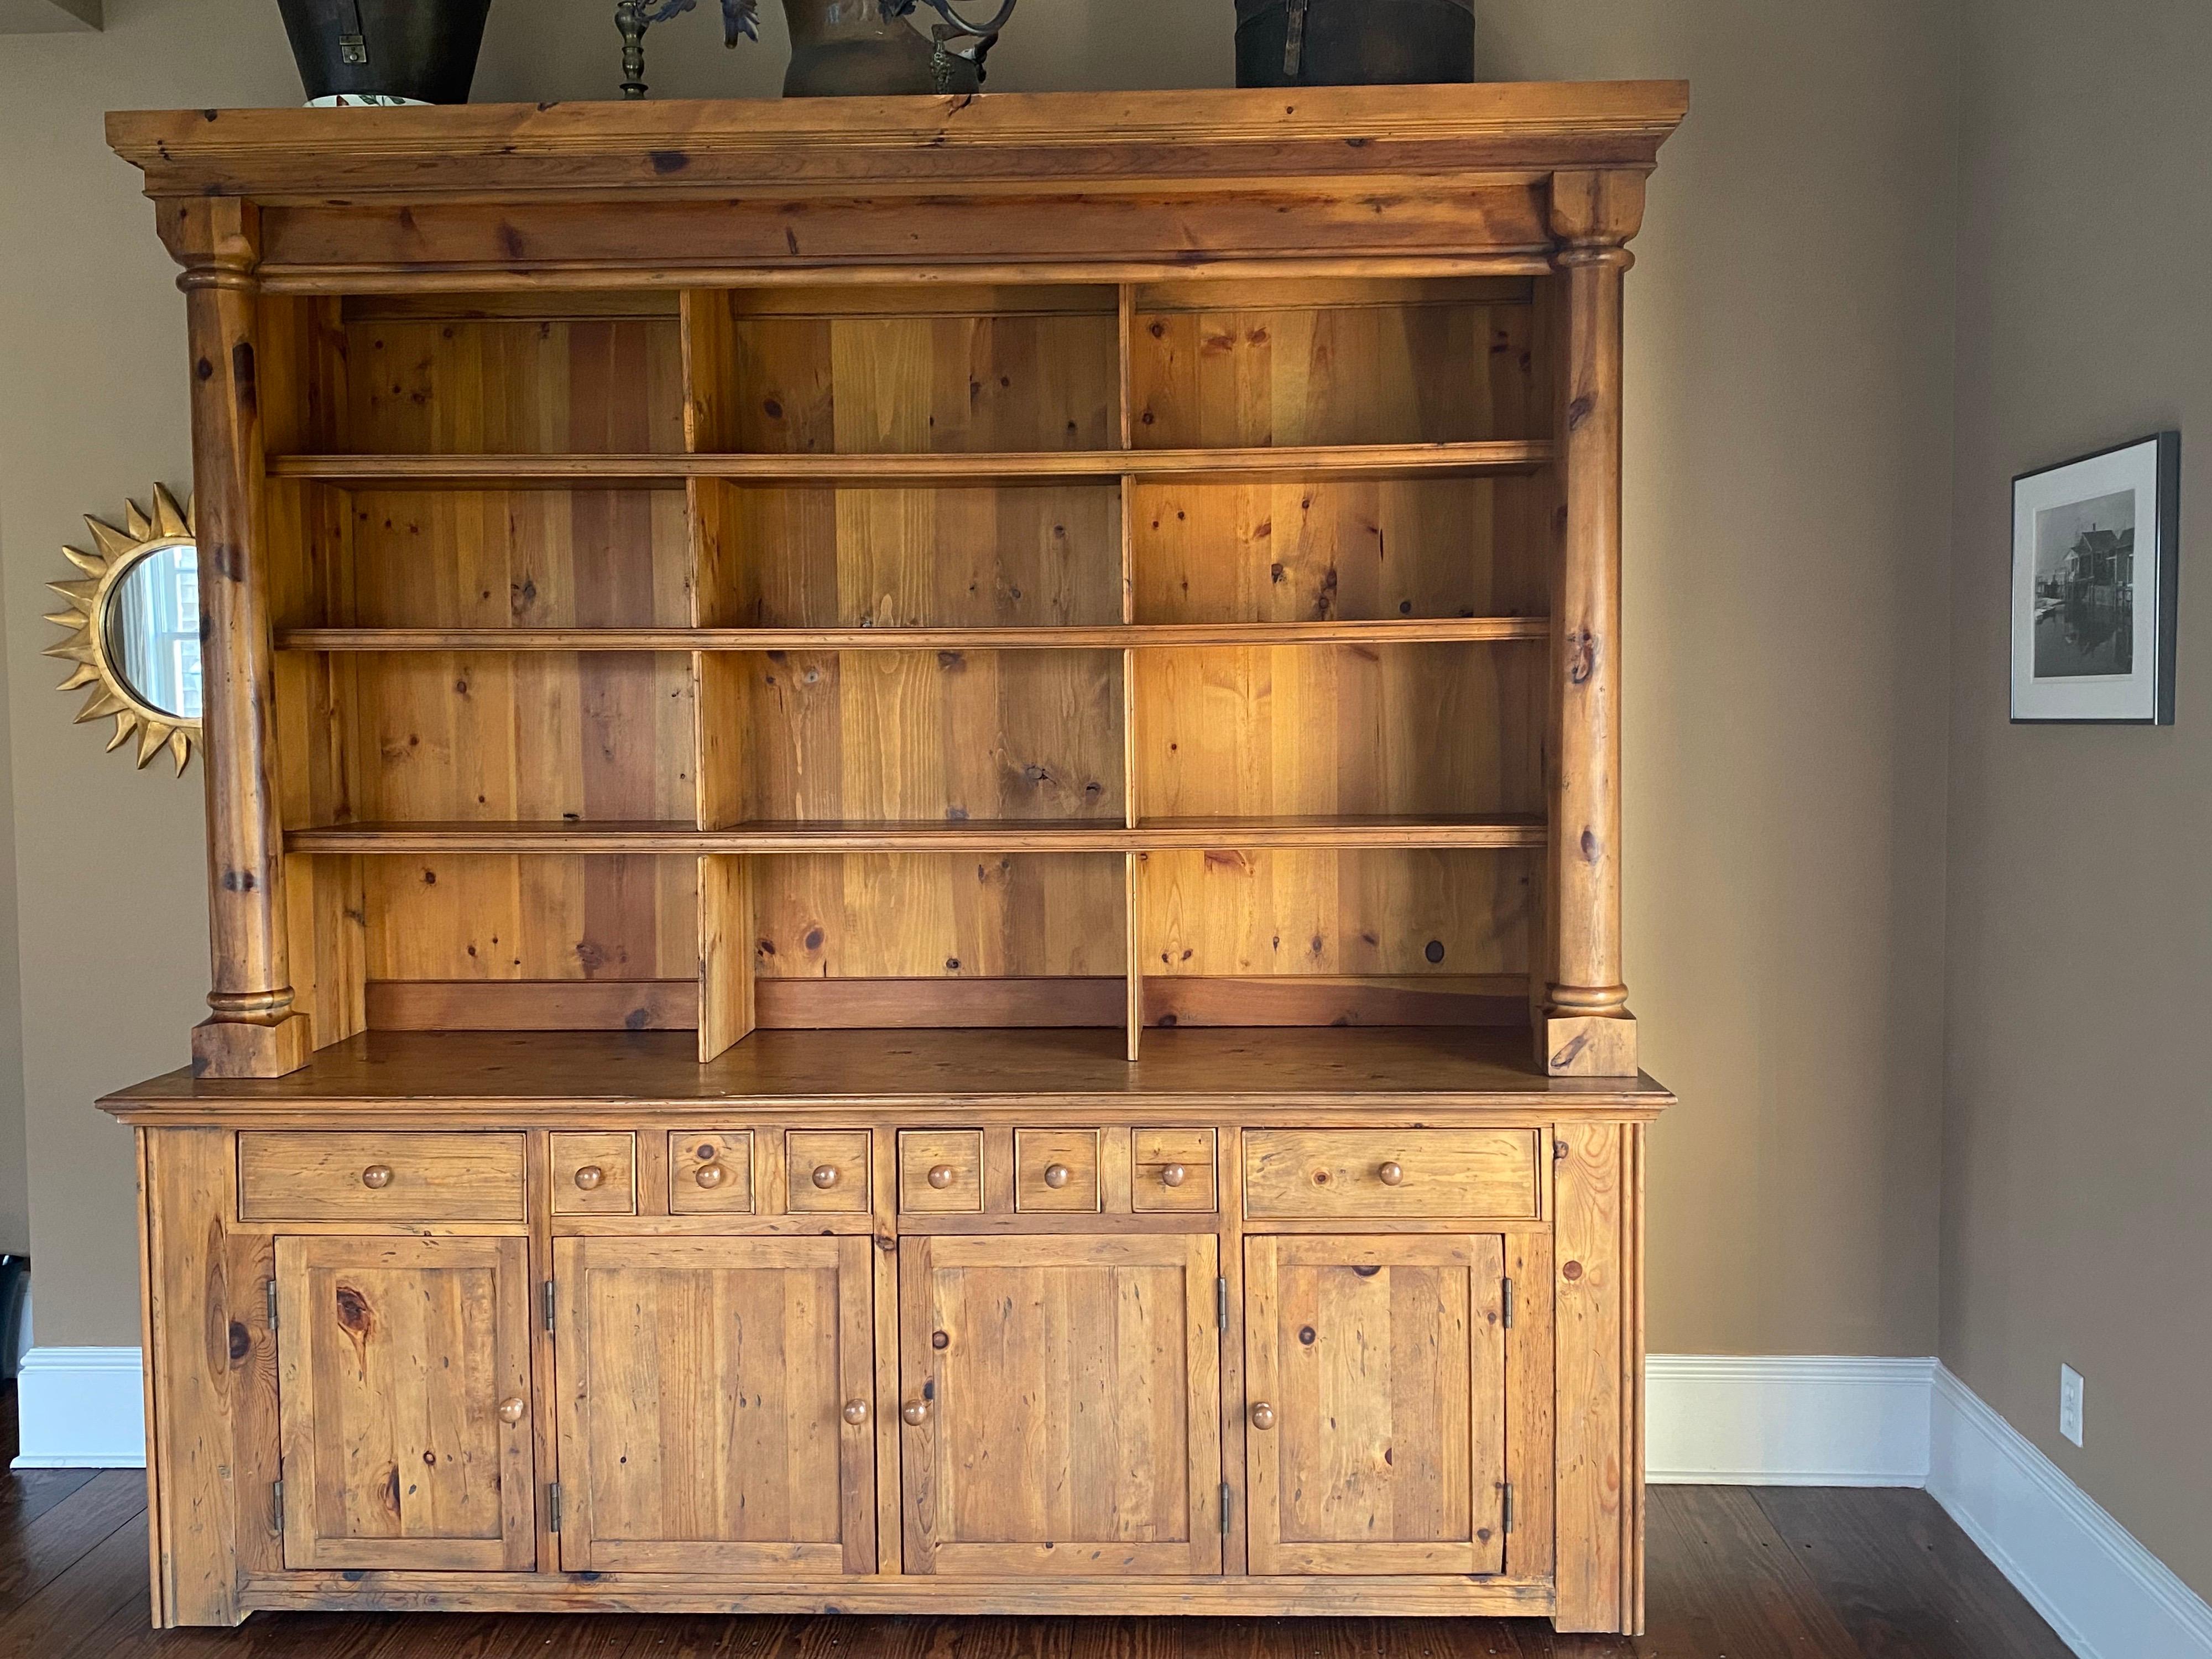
(1293,1068)
(917,471)
(1002,836)
(1108,636)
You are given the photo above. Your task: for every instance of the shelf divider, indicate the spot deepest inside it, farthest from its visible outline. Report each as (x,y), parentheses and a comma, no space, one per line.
(1441,630)
(1006,835)
(910,470)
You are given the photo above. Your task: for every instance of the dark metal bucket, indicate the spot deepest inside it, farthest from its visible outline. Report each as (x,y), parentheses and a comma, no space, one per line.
(1344,43)
(423,50)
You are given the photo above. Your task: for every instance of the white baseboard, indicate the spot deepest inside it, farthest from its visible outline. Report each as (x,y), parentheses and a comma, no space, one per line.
(81,1408)
(2106,1595)
(1710,1420)
(1715,1419)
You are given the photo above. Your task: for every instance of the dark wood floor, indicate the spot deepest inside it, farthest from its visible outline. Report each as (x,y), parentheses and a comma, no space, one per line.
(1735,1573)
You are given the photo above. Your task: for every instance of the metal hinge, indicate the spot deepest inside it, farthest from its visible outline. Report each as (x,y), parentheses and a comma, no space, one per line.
(553,1506)
(1221,1304)
(1224,1509)
(1509,1305)
(549,1304)
(277,1506)
(1508,1522)
(271,1285)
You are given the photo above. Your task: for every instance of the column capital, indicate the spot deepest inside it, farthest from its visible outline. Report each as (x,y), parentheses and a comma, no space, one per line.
(1593,215)
(216,238)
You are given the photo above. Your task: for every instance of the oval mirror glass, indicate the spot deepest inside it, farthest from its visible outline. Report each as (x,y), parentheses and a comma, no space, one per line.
(152,627)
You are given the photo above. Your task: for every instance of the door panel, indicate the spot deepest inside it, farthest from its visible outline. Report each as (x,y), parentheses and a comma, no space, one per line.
(1068,1397)
(395,1358)
(1382,1363)
(703,1386)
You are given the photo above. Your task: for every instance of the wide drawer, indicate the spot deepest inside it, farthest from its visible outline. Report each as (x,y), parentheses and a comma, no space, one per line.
(1291,1173)
(376,1174)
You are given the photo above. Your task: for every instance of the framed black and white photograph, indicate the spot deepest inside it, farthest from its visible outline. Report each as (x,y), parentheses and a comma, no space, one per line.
(2095,562)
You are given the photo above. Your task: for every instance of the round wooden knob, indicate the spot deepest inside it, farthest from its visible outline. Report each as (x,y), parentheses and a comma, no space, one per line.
(1389,1175)
(941,1176)
(1174,1175)
(1056,1176)
(1263,1415)
(589,1177)
(510,1411)
(711,1175)
(856,1412)
(825,1176)
(916,1412)
(376,1174)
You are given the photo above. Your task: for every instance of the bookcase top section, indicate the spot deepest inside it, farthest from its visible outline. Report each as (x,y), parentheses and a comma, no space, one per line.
(762,147)
(540,1072)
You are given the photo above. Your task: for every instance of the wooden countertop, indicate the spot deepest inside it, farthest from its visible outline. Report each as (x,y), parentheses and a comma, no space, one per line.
(530,1075)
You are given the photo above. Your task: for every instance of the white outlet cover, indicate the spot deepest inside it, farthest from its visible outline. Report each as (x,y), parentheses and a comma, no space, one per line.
(2069,1403)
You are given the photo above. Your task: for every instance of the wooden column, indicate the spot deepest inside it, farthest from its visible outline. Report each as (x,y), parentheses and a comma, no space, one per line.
(254,1030)
(1586,1030)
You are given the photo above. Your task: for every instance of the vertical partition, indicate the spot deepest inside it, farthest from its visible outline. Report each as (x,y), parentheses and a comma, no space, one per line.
(1134,861)
(728,1006)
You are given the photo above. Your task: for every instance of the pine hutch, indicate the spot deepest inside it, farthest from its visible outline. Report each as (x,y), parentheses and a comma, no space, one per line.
(914,821)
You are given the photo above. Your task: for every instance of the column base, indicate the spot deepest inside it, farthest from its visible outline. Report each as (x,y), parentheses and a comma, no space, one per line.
(232,1049)
(1584,1045)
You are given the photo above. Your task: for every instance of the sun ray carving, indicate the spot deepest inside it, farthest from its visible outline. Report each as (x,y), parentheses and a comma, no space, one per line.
(87,600)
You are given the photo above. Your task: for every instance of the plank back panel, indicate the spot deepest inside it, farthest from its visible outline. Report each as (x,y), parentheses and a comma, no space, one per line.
(936,916)
(533,736)
(1430,363)
(1416,915)
(492,558)
(486,916)
(917,558)
(910,735)
(896,372)
(552,384)
(1367,550)
(1280,731)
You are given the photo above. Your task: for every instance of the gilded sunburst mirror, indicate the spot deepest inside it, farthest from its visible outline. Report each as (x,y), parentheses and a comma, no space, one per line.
(134,628)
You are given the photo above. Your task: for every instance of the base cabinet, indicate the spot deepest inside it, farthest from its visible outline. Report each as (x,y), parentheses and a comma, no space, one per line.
(405,1402)
(716,1405)
(1061,1408)
(901,1407)
(1376,1368)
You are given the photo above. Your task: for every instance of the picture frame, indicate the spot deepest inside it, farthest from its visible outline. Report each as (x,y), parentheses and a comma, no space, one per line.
(2095,573)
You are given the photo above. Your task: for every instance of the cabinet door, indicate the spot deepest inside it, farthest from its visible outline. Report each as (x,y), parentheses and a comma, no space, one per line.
(403,1392)
(1376,1437)
(1062,1405)
(717,1405)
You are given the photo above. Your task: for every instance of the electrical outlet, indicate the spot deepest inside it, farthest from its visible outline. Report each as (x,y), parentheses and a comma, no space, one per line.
(2069,1403)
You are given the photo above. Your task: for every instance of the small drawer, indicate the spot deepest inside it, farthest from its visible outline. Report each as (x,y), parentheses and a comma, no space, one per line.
(376,1175)
(1391,1172)
(594,1172)
(1056,1171)
(1172,1169)
(710,1172)
(826,1171)
(941,1171)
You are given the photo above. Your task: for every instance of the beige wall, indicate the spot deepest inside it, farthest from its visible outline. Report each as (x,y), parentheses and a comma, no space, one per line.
(1787,502)
(1788,499)
(2078,1186)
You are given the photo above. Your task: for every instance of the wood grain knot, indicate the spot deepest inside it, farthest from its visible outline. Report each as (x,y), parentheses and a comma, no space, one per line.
(1582,656)
(1571,1272)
